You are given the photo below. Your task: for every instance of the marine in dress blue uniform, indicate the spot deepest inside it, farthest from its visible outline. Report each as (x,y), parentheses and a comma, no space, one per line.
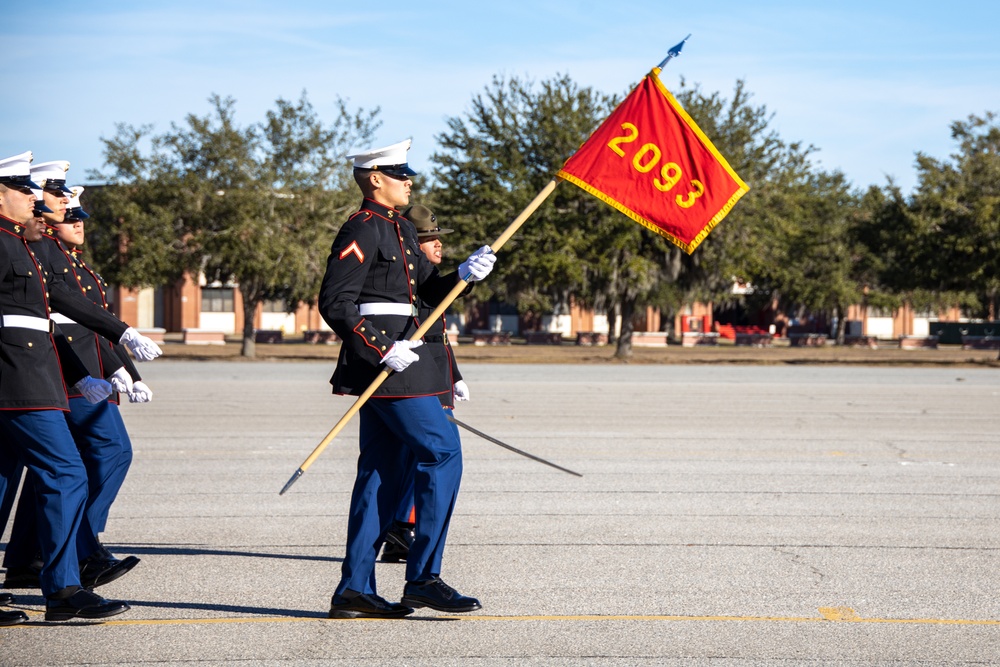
(73,371)
(97,428)
(33,399)
(374,279)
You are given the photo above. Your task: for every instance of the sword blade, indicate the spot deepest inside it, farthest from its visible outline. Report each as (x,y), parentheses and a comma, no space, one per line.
(513,449)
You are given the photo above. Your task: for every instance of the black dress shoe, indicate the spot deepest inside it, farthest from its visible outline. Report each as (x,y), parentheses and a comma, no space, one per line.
(103,550)
(22,577)
(365,605)
(398,541)
(437,595)
(83,604)
(6,598)
(393,553)
(97,570)
(12,617)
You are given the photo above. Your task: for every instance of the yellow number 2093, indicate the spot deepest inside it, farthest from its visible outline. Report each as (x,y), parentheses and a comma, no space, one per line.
(646,159)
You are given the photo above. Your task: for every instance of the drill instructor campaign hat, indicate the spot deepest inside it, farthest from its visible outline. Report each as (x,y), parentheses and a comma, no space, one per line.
(425,221)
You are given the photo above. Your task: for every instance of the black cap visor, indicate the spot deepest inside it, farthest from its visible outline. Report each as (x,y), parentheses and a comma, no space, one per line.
(22,183)
(401,171)
(58,185)
(75,214)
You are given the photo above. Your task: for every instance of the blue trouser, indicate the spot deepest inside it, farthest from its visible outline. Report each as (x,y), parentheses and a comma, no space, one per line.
(10,479)
(404,503)
(405,506)
(106,450)
(43,443)
(104,445)
(400,437)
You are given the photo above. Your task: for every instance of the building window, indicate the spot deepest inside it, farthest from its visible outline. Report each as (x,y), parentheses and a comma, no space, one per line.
(274,306)
(217,300)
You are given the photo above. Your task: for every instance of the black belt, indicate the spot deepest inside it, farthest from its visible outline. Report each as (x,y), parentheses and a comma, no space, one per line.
(436,338)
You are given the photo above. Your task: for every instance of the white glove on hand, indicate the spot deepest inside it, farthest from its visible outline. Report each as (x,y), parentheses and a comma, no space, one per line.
(478,266)
(140,393)
(461,391)
(93,390)
(401,354)
(142,348)
(121,381)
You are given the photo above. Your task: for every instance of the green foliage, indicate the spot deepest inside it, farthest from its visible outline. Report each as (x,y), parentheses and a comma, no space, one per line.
(259,204)
(492,164)
(517,135)
(135,237)
(788,235)
(941,246)
(957,212)
(821,261)
(256,205)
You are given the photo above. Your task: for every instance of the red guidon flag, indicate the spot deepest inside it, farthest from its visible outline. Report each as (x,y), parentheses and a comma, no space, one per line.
(654,164)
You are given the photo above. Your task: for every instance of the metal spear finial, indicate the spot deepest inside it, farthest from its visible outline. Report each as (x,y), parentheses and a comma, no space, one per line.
(674,51)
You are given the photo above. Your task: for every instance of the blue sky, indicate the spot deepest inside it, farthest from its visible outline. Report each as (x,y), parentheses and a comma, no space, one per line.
(868,83)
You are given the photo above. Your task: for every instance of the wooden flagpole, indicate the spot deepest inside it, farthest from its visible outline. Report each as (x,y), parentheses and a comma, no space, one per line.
(423,329)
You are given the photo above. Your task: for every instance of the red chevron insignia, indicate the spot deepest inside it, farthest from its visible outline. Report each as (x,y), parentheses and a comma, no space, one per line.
(353,249)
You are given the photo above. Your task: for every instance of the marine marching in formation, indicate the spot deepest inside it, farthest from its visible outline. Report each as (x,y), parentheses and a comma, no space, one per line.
(63,365)
(61,359)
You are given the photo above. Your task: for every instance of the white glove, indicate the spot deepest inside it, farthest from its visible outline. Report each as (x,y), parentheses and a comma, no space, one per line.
(121,381)
(461,391)
(140,393)
(401,354)
(142,348)
(93,390)
(478,266)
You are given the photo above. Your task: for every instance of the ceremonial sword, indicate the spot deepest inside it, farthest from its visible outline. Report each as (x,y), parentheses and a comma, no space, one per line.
(506,446)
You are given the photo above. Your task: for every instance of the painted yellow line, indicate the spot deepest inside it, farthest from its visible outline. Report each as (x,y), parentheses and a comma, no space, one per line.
(773,619)
(827,615)
(839,614)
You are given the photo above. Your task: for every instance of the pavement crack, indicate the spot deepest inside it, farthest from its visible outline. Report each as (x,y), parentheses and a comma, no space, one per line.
(900,452)
(799,560)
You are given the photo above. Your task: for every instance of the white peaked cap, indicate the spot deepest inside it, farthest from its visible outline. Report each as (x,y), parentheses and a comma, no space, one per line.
(74,200)
(16,166)
(74,211)
(390,159)
(55,171)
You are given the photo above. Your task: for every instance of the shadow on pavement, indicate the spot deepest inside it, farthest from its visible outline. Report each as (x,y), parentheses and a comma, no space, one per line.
(166,550)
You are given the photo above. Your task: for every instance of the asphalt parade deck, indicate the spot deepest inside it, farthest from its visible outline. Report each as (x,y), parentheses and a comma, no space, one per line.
(727,515)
